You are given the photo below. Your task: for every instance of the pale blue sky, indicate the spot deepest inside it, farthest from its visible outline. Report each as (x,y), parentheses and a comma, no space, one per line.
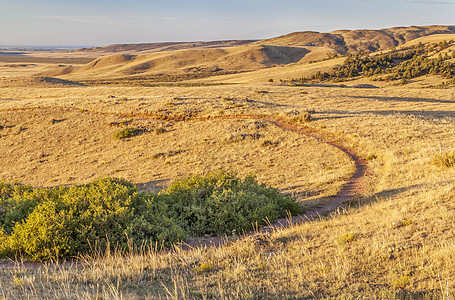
(103,22)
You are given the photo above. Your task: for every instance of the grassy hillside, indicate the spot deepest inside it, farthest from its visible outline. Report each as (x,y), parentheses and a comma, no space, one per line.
(281,59)
(158,47)
(351,41)
(212,61)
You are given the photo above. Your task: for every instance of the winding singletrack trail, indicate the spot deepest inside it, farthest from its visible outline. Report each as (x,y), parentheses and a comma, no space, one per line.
(348,192)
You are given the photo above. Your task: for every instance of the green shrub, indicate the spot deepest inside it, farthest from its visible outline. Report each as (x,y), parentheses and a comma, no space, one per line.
(347,238)
(220,202)
(65,222)
(17,202)
(126,133)
(42,235)
(68,221)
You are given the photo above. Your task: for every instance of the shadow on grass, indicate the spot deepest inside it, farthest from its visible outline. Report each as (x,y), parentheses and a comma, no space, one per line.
(339,114)
(403,99)
(360,201)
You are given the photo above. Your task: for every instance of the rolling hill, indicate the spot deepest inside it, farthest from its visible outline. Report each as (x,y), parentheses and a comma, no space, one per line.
(192,61)
(352,41)
(342,40)
(241,58)
(160,47)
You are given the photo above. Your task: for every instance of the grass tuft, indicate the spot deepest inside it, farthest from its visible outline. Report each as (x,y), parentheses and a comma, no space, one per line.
(401,282)
(268,143)
(160,130)
(444,159)
(371,156)
(301,118)
(204,268)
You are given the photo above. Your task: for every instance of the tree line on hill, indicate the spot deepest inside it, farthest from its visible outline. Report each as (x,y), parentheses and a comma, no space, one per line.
(404,64)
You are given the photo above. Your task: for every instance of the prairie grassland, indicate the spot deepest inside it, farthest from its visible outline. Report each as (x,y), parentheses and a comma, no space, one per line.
(395,240)
(50,147)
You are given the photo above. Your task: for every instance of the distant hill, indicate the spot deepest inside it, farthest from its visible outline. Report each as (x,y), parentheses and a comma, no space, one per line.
(231,59)
(196,60)
(160,47)
(342,41)
(351,41)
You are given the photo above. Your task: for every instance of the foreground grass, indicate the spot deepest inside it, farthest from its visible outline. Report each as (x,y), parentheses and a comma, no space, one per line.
(381,249)
(395,241)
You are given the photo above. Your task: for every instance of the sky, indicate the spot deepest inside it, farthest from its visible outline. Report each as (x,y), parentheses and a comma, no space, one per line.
(105,22)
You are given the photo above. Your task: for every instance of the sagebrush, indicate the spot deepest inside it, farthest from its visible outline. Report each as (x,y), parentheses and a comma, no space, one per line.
(49,223)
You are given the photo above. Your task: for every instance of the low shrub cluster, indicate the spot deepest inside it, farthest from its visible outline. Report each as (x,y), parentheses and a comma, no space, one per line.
(65,222)
(301,118)
(126,133)
(220,202)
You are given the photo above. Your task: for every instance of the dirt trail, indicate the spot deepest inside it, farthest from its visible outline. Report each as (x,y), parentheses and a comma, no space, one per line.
(347,193)
(349,190)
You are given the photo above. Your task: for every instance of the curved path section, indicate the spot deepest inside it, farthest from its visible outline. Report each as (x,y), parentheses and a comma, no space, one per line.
(348,191)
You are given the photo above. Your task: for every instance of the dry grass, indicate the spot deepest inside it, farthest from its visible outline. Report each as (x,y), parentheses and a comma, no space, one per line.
(49,147)
(409,251)
(395,240)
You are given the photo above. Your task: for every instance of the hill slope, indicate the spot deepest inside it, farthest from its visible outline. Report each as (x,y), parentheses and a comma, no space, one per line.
(159,47)
(341,40)
(352,41)
(242,58)
(204,60)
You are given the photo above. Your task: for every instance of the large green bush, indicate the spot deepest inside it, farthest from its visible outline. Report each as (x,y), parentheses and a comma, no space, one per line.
(42,224)
(67,221)
(220,202)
